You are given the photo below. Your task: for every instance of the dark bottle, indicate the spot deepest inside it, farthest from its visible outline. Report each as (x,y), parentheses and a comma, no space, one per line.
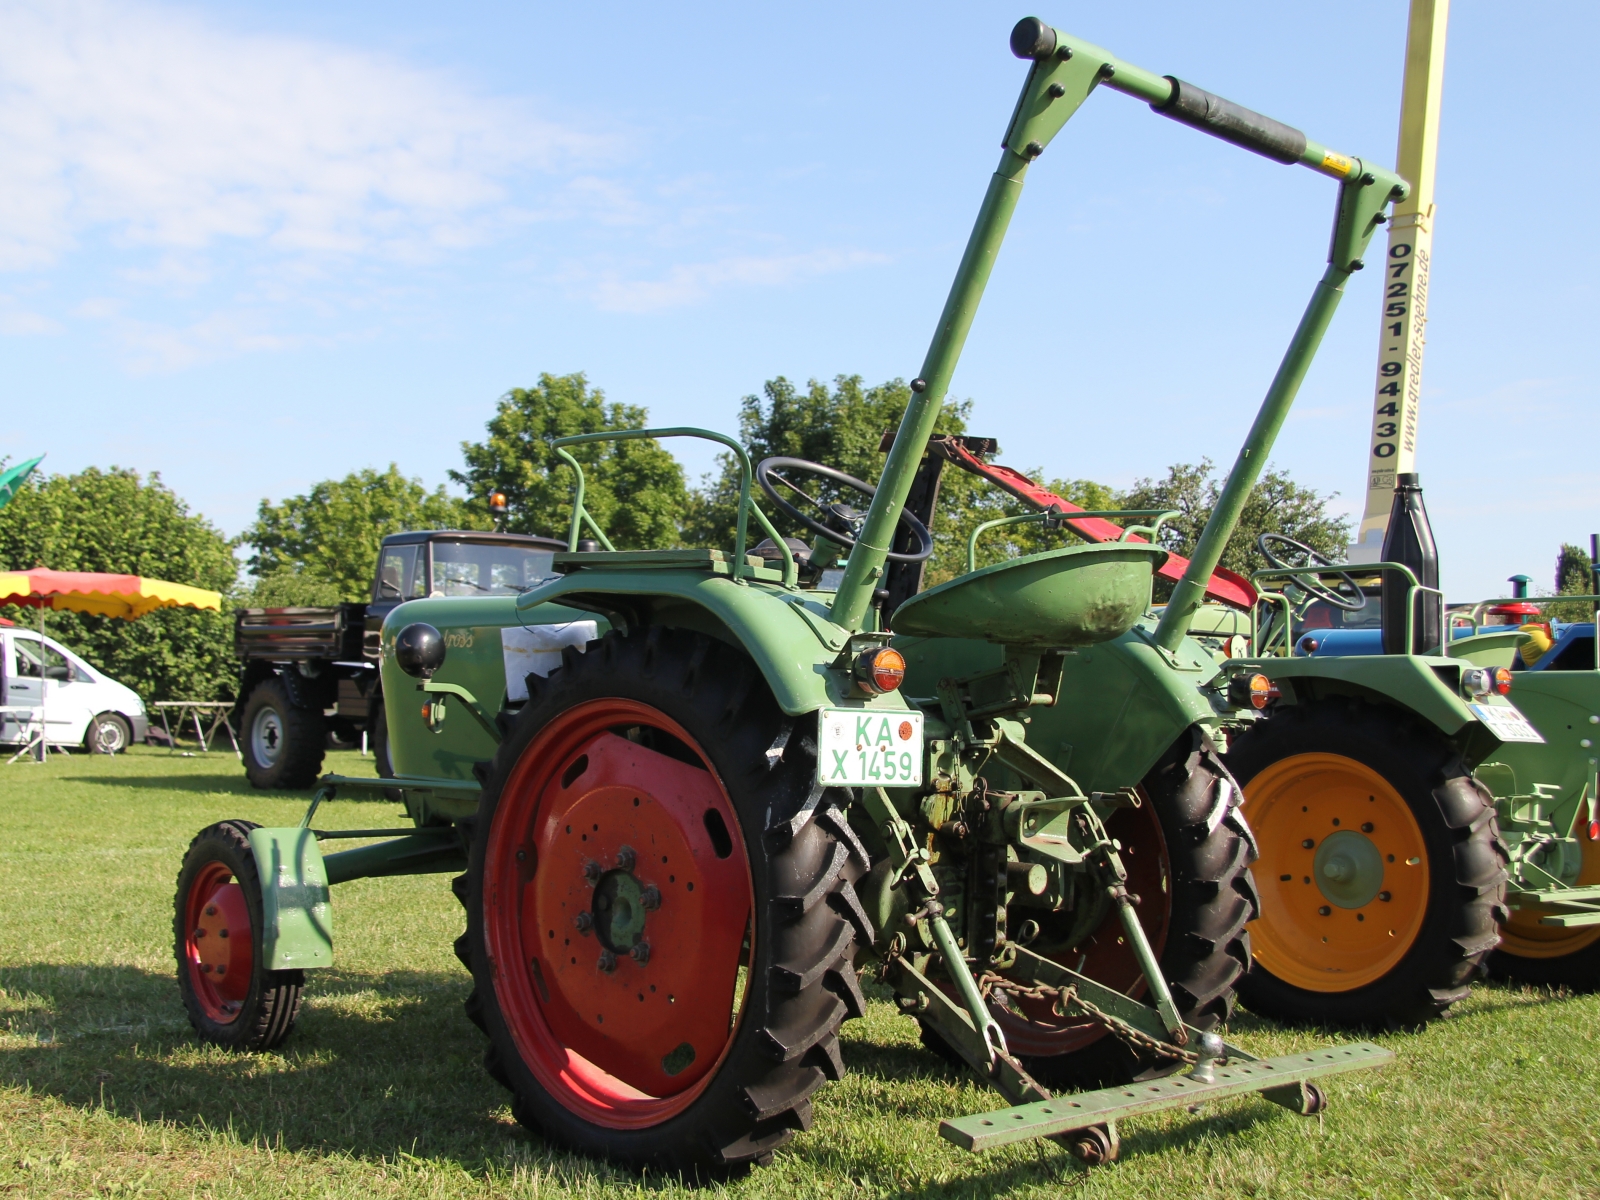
(1410,541)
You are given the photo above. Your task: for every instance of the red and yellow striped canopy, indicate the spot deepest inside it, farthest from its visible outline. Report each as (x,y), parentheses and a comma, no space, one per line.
(126,596)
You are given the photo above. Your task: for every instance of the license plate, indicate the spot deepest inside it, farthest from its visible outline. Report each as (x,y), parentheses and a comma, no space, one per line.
(862,747)
(1506,723)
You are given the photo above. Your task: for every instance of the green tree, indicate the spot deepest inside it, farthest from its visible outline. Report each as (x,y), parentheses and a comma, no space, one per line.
(1574,577)
(331,534)
(116,521)
(844,427)
(633,489)
(1277,504)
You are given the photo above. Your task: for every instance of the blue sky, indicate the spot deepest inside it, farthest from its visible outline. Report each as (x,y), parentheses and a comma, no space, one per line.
(254,245)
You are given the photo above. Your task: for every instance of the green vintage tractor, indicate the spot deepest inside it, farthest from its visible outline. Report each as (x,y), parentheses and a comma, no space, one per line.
(1474,769)
(683,792)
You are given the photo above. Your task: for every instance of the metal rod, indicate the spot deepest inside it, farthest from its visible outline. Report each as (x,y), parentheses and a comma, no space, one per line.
(955,965)
(1191,590)
(1152,969)
(865,565)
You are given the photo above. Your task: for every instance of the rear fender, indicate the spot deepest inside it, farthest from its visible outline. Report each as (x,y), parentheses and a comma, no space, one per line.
(1427,688)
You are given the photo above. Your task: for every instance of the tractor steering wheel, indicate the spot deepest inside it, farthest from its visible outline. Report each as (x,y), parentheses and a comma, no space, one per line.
(843,521)
(1312,585)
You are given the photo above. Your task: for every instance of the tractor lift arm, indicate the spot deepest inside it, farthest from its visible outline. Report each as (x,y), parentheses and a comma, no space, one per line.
(1065,70)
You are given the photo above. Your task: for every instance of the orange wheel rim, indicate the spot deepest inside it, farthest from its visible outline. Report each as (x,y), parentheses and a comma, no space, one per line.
(1343,873)
(1524,937)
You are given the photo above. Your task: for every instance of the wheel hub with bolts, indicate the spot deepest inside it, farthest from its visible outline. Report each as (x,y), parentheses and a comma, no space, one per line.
(1348,887)
(266,736)
(632,903)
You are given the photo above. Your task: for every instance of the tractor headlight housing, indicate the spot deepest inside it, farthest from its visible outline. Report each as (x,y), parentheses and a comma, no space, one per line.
(879,670)
(1480,682)
(1251,691)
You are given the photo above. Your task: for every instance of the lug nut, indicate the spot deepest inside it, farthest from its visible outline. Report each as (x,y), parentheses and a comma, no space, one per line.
(222,933)
(650,899)
(626,858)
(608,961)
(1324,911)
(199,933)
(211,910)
(1385,897)
(591,871)
(641,953)
(584,922)
(1309,844)
(1366,827)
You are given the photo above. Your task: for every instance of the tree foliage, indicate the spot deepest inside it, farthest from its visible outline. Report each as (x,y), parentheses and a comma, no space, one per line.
(1574,577)
(1277,504)
(116,521)
(331,534)
(633,489)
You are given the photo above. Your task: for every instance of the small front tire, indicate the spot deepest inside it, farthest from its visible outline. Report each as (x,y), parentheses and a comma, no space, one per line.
(232,1001)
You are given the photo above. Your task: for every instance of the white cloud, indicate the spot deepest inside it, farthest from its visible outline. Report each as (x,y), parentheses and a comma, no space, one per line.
(688,282)
(19,322)
(171,133)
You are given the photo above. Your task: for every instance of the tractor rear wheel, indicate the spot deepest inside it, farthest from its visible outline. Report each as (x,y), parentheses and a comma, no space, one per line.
(282,743)
(1188,857)
(231,1000)
(661,919)
(1545,955)
(1382,870)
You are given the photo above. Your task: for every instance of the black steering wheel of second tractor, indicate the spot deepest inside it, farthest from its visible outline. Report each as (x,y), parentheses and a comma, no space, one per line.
(841,523)
(1283,552)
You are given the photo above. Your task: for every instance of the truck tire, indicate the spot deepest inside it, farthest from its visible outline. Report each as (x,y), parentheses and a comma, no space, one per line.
(282,743)
(652,763)
(1188,858)
(1545,955)
(217,925)
(1382,869)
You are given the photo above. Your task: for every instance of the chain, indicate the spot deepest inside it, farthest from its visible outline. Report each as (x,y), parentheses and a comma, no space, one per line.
(1060,998)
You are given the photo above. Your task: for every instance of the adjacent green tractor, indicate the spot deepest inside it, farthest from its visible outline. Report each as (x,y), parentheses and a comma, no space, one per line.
(683,791)
(1424,811)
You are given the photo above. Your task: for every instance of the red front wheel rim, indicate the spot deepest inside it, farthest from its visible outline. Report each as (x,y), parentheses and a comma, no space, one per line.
(218,942)
(602,844)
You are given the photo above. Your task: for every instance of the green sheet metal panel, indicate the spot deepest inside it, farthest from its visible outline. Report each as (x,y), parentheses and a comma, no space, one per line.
(296,915)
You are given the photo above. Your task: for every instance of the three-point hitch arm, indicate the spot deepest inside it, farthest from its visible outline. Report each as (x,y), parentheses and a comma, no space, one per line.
(1064,72)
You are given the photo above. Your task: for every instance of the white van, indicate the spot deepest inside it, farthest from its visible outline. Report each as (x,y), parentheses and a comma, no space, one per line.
(82,706)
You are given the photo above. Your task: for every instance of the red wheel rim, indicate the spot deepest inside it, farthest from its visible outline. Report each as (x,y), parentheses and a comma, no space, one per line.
(1104,955)
(218,943)
(629,1046)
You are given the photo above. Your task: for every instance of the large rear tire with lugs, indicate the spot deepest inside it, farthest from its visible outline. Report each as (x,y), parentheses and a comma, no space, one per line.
(1188,858)
(661,920)
(1382,871)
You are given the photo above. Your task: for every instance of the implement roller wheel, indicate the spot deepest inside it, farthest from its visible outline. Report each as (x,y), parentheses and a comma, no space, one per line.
(661,922)
(1382,871)
(231,1000)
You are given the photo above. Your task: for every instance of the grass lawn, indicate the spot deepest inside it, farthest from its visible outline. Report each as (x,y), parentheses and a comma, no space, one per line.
(379,1092)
